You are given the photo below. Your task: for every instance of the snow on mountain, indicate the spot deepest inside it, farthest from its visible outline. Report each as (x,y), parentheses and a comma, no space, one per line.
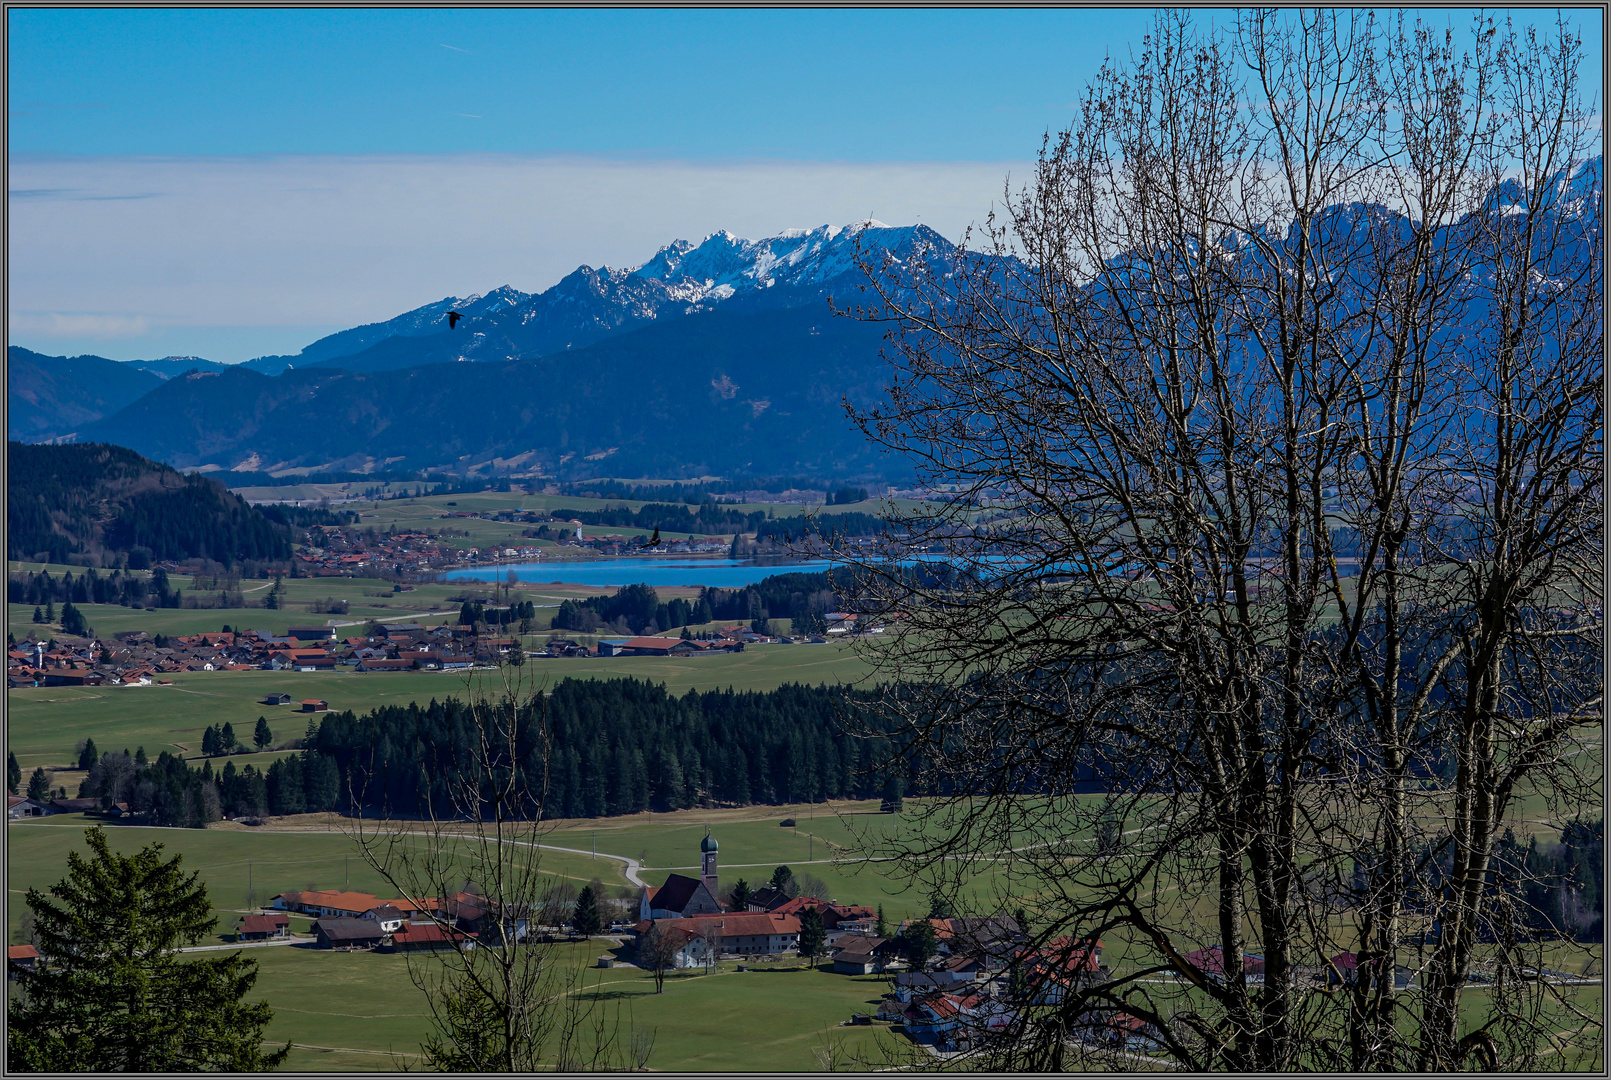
(793,257)
(790,269)
(795,268)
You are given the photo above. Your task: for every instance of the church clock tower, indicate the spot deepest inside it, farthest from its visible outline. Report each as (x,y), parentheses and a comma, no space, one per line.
(707,862)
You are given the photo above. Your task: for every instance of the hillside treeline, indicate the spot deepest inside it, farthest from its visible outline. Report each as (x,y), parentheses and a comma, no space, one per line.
(197,520)
(849,523)
(50,496)
(618,747)
(305,517)
(637,609)
(171,792)
(130,590)
(95,498)
(520,613)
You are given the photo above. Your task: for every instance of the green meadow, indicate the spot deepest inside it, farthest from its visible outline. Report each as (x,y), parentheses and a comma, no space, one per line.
(426,512)
(237,860)
(349,1012)
(356,1011)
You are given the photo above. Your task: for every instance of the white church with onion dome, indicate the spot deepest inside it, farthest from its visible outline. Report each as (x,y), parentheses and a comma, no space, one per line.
(683,897)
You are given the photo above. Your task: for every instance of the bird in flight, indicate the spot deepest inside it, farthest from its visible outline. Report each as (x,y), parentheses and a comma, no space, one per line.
(653,541)
(453,319)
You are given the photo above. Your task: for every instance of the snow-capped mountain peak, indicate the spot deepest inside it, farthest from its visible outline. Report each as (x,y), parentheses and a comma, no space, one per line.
(792,268)
(792,257)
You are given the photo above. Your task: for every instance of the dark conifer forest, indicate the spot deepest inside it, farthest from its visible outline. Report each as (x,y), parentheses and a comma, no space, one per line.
(618,746)
(98,499)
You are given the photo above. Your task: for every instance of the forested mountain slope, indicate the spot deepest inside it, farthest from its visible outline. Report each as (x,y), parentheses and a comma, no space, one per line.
(101,500)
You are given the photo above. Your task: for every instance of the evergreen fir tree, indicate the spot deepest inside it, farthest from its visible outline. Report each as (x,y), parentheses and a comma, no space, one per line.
(116,995)
(39,786)
(585,920)
(741,895)
(87,757)
(920,943)
(13,773)
(226,739)
(262,736)
(813,937)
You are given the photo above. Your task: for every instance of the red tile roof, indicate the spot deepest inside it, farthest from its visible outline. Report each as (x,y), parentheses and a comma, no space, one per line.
(740,924)
(417,933)
(651,643)
(335,899)
(263,924)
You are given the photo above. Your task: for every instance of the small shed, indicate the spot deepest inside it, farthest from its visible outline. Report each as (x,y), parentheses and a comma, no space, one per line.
(276,699)
(315,705)
(18,806)
(261,927)
(348,933)
(861,956)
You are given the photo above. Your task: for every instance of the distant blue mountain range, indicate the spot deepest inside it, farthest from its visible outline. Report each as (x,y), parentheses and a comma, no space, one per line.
(711,358)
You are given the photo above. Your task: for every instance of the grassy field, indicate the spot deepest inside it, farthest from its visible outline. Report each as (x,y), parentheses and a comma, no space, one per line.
(235,859)
(362,1012)
(366,599)
(353,1012)
(45,724)
(426,512)
(823,842)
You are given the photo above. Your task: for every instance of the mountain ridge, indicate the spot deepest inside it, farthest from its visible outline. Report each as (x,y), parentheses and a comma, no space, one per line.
(610,366)
(712,393)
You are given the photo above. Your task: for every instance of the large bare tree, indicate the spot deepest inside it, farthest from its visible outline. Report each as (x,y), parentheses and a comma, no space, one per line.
(1270,418)
(501,1000)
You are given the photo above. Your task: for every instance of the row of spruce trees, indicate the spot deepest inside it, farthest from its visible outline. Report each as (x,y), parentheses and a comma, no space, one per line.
(806,598)
(616,747)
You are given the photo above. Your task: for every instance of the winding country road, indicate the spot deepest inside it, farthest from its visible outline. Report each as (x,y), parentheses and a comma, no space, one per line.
(630,867)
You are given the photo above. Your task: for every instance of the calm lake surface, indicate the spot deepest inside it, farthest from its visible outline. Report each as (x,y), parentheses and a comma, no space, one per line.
(628,570)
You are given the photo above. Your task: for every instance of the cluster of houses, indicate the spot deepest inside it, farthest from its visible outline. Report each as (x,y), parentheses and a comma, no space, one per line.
(984,972)
(353,920)
(965,993)
(615,544)
(703,930)
(347,553)
(135,659)
(607,543)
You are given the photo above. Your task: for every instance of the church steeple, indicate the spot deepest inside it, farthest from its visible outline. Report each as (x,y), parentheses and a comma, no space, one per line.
(707,861)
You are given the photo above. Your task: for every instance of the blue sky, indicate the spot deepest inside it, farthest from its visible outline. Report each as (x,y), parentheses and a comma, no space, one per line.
(836,85)
(234,183)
